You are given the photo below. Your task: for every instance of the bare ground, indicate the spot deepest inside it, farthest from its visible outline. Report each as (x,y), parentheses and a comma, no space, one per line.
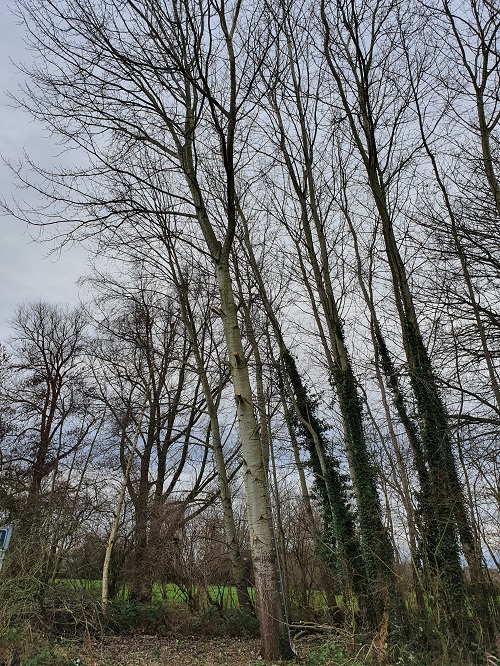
(160,651)
(186,651)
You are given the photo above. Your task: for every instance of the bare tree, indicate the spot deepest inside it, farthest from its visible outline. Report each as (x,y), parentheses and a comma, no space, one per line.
(49,446)
(143,356)
(355,46)
(170,81)
(304,424)
(48,392)
(294,102)
(193,293)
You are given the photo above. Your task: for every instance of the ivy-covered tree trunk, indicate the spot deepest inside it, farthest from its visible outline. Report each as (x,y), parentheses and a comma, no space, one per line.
(443,497)
(314,258)
(339,521)
(340,534)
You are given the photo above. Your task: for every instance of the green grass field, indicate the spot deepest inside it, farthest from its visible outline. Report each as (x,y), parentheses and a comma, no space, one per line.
(222,596)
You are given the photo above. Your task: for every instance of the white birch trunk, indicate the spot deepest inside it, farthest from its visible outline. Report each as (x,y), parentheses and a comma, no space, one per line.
(274,632)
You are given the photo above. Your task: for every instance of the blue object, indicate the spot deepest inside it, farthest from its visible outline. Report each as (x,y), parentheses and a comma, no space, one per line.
(5,533)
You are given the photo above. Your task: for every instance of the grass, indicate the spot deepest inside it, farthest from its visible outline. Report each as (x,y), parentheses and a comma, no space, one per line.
(222,596)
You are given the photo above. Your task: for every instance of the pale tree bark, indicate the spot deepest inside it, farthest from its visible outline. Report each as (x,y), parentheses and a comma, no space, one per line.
(258,369)
(274,634)
(275,640)
(279,530)
(267,446)
(167,83)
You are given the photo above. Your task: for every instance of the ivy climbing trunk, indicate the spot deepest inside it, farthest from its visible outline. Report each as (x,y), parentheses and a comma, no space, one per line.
(340,534)
(444,498)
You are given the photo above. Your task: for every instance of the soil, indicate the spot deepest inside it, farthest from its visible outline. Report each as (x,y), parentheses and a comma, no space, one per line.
(185,651)
(159,651)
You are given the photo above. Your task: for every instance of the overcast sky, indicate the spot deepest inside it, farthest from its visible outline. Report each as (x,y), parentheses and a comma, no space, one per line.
(25,271)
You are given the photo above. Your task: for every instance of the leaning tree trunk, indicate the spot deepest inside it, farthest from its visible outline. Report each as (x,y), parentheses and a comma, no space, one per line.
(311,245)
(274,632)
(331,486)
(275,639)
(445,498)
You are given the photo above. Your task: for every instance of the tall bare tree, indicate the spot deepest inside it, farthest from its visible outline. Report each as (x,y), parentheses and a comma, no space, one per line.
(360,42)
(168,83)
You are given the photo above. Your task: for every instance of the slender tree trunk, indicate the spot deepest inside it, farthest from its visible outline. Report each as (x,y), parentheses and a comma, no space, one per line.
(117,512)
(274,632)
(275,639)
(376,547)
(445,497)
(469,539)
(345,550)
(233,548)
(384,365)
(479,59)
